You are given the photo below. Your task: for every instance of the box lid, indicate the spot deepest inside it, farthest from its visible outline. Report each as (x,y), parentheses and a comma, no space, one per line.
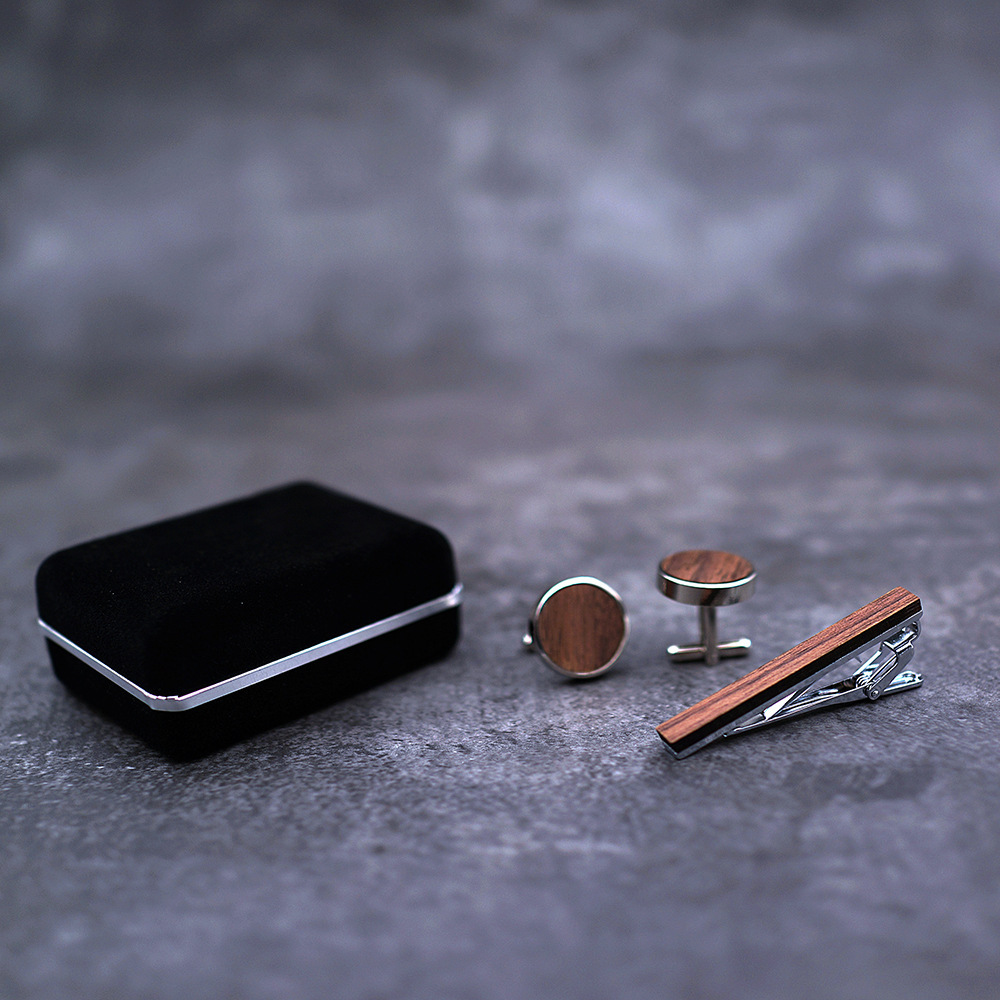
(186,603)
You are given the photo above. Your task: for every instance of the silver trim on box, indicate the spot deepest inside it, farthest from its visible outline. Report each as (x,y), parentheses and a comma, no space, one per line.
(180,702)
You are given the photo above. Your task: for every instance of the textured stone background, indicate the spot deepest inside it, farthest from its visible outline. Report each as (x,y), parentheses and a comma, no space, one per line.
(581,284)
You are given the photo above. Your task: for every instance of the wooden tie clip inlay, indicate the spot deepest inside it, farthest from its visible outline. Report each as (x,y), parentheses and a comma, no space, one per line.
(786,686)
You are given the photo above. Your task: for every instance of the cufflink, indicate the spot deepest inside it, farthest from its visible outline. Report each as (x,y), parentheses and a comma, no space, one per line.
(578,627)
(708,580)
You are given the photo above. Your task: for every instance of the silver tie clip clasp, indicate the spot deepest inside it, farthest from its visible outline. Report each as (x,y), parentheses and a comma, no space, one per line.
(787,686)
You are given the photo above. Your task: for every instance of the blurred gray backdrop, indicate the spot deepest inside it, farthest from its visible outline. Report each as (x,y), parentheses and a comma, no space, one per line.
(328,189)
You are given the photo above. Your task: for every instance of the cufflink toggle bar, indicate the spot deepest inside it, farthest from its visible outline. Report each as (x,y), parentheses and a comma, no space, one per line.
(788,685)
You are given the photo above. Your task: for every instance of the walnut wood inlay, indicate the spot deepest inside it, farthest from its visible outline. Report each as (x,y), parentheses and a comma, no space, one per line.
(706,566)
(581,628)
(766,683)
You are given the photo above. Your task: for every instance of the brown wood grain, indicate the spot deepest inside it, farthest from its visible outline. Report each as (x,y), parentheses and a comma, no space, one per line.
(757,688)
(706,566)
(580,628)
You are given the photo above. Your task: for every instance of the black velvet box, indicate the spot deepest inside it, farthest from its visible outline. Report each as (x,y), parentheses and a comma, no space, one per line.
(202,629)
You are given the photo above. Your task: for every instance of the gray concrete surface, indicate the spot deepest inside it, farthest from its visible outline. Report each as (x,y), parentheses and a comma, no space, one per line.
(581,285)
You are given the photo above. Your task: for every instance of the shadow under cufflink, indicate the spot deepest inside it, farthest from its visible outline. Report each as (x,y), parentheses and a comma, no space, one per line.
(578,627)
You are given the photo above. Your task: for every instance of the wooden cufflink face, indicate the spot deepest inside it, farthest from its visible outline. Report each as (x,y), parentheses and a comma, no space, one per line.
(707,579)
(578,627)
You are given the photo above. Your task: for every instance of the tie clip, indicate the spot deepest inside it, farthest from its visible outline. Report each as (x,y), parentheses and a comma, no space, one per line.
(787,686)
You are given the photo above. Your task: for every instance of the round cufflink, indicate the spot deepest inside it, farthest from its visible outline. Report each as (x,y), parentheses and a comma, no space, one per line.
(578,627)
(708,580)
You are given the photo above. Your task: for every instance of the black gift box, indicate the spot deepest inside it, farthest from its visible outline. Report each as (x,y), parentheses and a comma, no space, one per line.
(202,629)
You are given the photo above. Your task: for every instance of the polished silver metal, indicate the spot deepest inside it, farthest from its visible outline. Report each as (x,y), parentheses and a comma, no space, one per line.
(179,703)
(531,644)
(883,672)
(707,597)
